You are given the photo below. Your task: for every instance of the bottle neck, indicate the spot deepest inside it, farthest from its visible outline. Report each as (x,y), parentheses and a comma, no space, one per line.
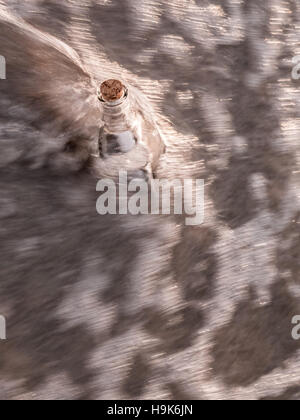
(116,114)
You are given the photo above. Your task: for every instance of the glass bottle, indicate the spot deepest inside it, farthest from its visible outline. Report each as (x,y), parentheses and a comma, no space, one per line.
(128,130)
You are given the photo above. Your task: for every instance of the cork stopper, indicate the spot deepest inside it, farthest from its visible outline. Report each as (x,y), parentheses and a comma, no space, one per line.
(112,90)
